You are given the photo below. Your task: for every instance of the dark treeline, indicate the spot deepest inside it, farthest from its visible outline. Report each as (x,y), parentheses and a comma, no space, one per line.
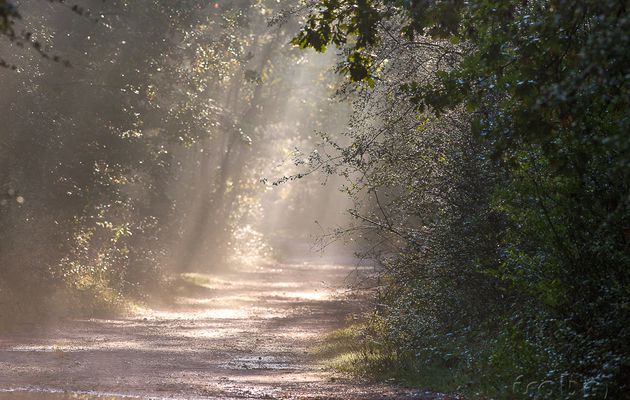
(489,157)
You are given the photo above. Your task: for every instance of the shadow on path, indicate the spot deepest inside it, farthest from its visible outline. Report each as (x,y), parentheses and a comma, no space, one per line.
(243,334)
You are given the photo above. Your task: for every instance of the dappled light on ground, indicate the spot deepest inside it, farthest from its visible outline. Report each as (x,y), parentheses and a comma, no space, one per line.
(243,334)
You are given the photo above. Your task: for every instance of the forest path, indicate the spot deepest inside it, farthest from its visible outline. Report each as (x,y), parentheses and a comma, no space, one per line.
(242,334)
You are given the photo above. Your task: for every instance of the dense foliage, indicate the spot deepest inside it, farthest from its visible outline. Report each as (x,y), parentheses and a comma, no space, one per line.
(490,163)
(487,155)
(144,154)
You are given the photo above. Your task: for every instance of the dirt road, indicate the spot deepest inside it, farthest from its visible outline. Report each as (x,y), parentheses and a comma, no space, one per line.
(244,334)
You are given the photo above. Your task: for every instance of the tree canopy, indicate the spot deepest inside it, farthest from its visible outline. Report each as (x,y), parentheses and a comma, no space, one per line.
(538,91)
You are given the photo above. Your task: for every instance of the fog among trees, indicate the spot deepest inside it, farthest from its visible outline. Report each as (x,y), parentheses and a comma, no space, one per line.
(347,199)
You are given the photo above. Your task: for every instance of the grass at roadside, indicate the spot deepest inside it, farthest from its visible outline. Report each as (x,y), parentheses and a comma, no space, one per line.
(355,351)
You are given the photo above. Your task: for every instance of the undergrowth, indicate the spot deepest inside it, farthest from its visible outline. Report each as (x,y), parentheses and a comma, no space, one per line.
(42,305)
(363,350)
